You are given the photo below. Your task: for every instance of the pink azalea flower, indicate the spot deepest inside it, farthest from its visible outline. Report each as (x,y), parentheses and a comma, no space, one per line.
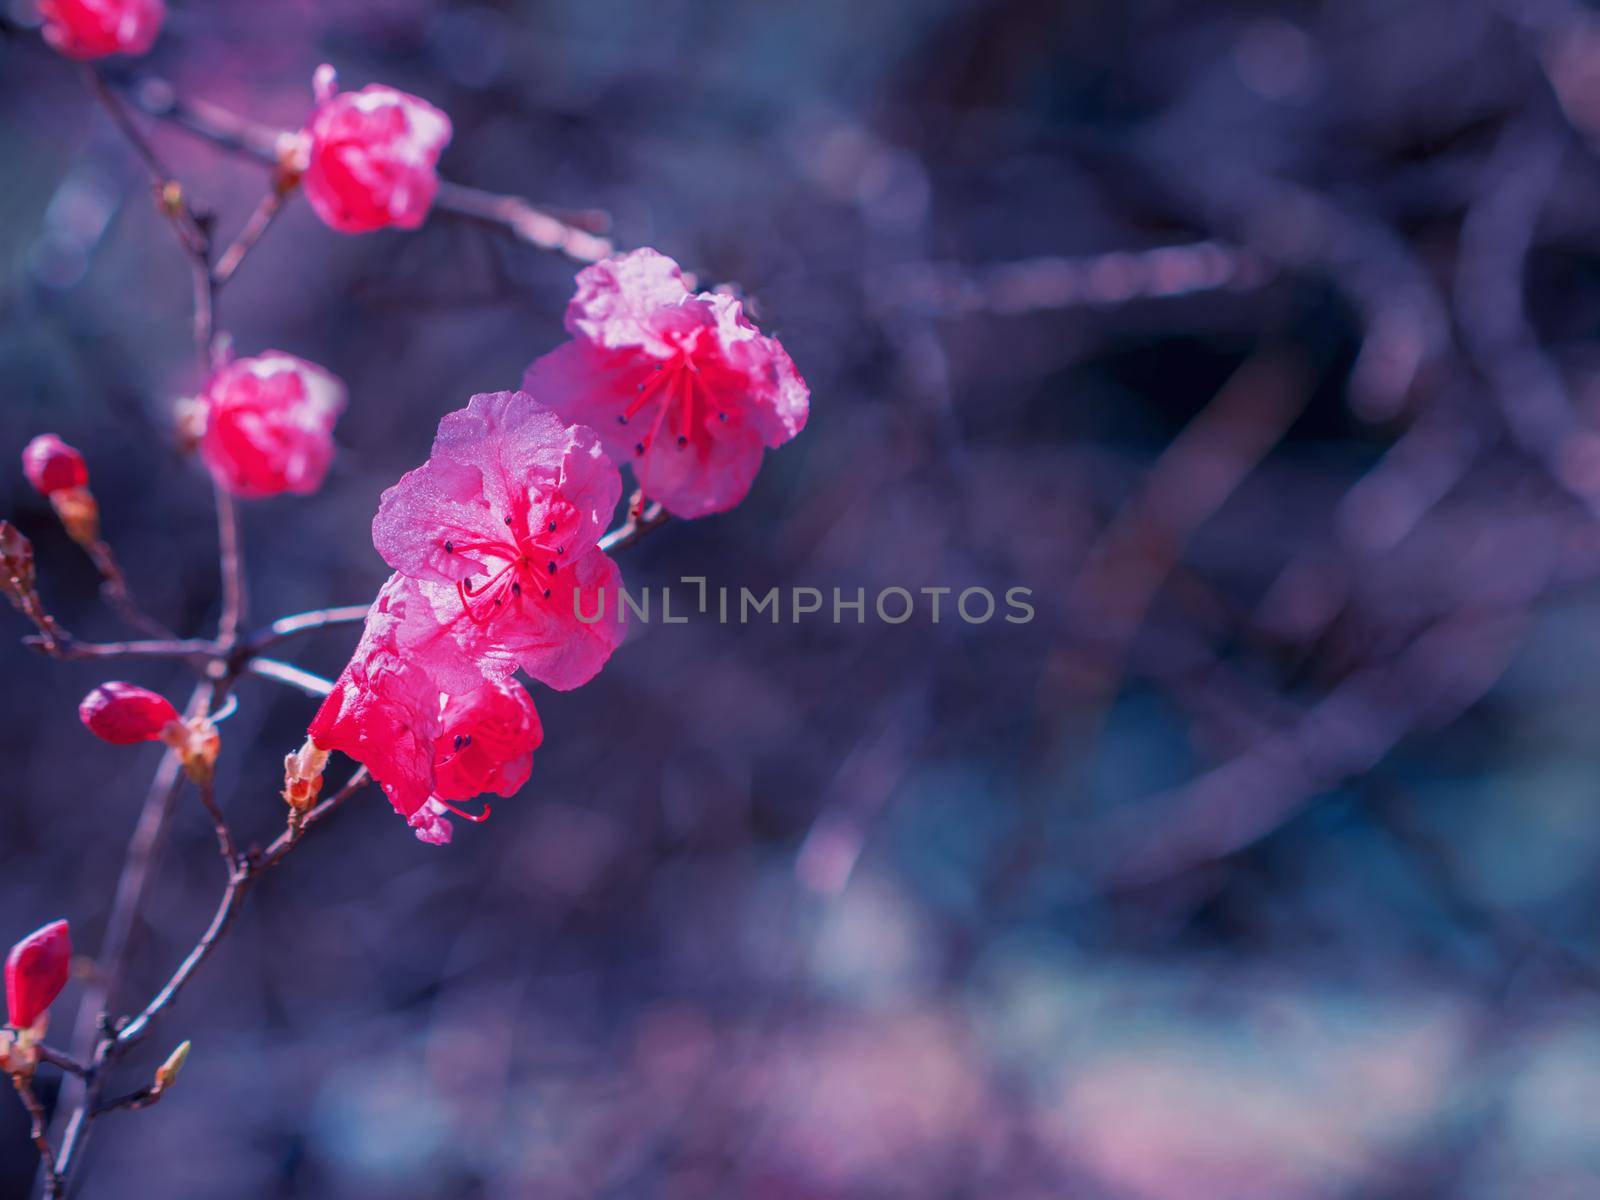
(486,742)
(86,29)
(499,528)
(679,383)
(372,156)
(268,424)
(428,749)
(384,708)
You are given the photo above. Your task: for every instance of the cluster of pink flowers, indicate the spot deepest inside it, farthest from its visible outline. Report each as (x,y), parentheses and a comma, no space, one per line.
(494,540)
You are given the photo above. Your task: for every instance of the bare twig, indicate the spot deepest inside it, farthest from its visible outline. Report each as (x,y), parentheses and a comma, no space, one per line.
(260,220)
(60,1060)
(116,593)
(233,582)
(307,622)
(208,797)
(38,1132)
(68,649)
(282,672)
(642,518)
(244,876)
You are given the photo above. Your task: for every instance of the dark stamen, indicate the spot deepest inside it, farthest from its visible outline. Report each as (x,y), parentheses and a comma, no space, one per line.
(682,441)
(552,526)
(459,742)
(449,547)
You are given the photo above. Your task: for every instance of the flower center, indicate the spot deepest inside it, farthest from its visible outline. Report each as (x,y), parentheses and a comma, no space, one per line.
(674,382)
(527,572)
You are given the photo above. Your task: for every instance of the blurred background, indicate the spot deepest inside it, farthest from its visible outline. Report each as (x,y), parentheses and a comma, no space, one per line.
(1260,340)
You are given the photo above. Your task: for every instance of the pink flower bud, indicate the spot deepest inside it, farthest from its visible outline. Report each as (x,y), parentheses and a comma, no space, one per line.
(52,466)
(97,28)
(372,156)
(36,971)
(268,425)
(124,715)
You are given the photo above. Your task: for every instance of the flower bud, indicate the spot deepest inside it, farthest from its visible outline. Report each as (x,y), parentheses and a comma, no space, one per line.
(16,564)
(167,1072)
(198,743)
(371,157)
(123,714)
(36,971)
(88,29)
(302,776)
(50,465)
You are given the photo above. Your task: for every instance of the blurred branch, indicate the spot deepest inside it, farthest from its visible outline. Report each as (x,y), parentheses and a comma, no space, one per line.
(574,238)
(1054,281)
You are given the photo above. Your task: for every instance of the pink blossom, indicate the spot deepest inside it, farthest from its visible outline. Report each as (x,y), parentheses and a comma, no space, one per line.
(486,742)
(384,708)
(125,714)
(679,383)
(53,466)
(499,528)
(268,424)
(372,156)
(36,970)
(96,28)
(427,748)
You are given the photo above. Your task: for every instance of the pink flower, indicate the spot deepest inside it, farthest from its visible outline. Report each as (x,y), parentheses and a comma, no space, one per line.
(53,466)
(372,156)
(97,28)
(427,748)
(384,708)
(125,714)
(36,971)
(268,424)
(486,742)
(499,528)
(679,383)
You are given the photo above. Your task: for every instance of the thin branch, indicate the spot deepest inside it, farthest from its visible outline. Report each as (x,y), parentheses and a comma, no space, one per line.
(289,838)
(117,595)
(41,1139)
(575,237)
(282,672)
(307,622)
(208,797)
(243,878)
(233,582)
(523,221)
(68,649)
(145,1097)
(642,518)
(191,234)
(61,1061)
(260,221)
